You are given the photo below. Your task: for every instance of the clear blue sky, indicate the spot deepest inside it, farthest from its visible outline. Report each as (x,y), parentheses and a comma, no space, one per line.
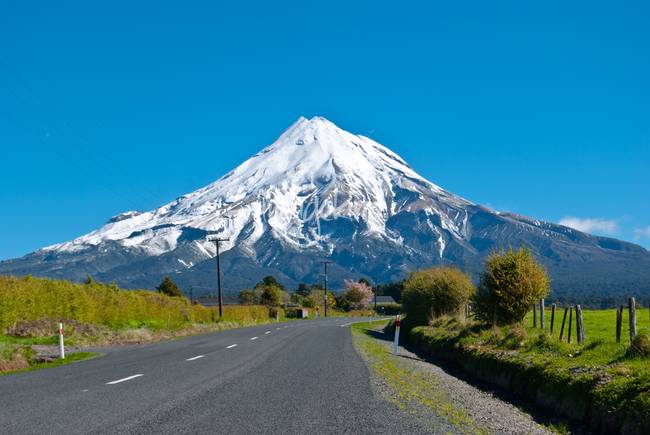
(540,109)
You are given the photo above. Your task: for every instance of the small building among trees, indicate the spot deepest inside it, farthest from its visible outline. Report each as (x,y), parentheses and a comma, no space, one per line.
(385,300)
(302,313)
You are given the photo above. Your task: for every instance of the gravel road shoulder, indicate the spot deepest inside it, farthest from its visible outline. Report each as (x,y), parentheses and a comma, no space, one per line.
(428,393)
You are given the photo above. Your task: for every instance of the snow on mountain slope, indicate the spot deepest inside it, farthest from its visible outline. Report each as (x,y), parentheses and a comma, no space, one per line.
(314,171)
(321,192)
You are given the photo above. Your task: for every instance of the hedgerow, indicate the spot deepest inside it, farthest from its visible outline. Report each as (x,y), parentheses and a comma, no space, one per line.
(29,298)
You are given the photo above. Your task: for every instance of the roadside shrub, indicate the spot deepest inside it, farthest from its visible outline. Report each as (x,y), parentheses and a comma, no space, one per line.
(640,345)
(511,283)
(267,292)
(357,296)
(246,314)
(166,287)
(249,297)
(315,300)
(435,292)
(308,302)
(276,312)
(33,299)
(270,296)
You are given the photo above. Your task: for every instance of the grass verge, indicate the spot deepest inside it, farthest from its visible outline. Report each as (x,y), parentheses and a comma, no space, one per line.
(410,391)
(598,383)
(25,365)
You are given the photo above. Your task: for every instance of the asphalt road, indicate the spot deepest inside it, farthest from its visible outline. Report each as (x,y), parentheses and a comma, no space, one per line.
(297,377)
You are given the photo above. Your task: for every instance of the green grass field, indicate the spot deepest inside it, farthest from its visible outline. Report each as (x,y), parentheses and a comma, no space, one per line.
(600,347)
(599,373)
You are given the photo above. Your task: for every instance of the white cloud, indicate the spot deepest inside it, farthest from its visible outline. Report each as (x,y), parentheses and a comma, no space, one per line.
(641,233)
(591,225)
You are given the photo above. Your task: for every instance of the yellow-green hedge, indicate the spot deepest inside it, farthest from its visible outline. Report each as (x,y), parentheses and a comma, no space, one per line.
(29,298)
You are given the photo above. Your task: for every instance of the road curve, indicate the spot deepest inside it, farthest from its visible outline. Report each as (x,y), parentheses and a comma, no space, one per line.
(296,377)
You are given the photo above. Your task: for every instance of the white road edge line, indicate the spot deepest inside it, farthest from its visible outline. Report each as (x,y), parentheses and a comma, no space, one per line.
(362,321)
(253,338)
(124,379)
(195,357)
(231,346)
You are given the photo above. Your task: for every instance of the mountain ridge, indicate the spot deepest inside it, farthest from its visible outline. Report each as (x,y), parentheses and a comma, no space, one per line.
(321,192)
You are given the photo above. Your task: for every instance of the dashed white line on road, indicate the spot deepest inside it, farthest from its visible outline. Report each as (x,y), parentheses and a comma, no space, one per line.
(277,329)
(124,379)
(253,338)
(346,324)
(267,332)
(231,346)
(195,357)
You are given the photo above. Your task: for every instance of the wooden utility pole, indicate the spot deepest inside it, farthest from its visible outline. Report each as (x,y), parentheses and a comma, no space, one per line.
(216,241)
(325,263)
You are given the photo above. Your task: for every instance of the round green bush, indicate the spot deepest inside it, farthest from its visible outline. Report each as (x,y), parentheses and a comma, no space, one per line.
(434,292)
(511,283)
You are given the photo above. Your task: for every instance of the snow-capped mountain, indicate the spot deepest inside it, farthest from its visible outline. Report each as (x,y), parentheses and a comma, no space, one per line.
(314,174)
(318,192)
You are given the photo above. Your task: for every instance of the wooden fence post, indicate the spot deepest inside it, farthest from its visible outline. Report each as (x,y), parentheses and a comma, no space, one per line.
(580,325)
(577,308)
(566,309)
(541,314)
(534,315)
(619,322)
(632,308)
(570,322)
(552,317)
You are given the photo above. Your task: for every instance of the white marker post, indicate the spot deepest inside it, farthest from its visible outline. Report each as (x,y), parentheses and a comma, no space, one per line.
(61,345)
(396,341)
